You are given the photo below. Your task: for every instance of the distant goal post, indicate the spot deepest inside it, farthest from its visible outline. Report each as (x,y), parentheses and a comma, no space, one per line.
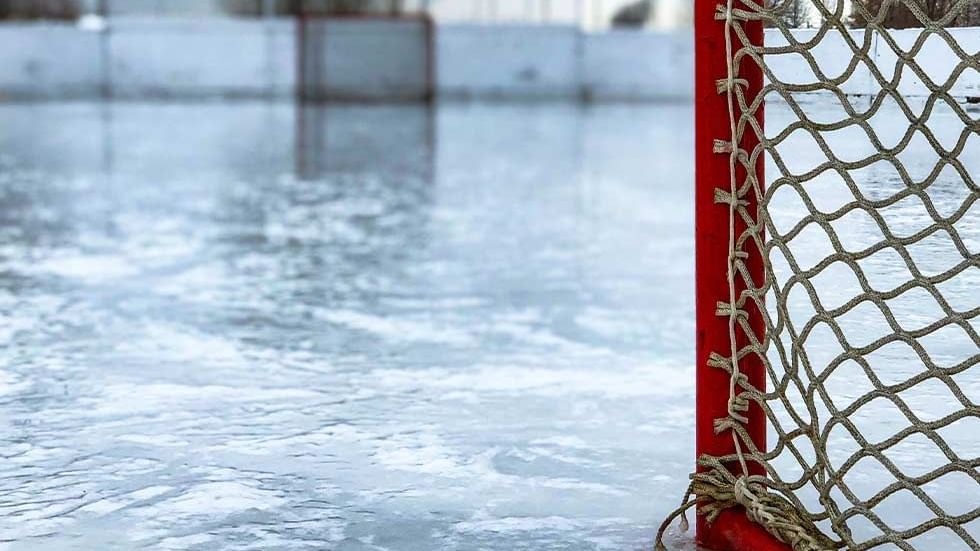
(838,258)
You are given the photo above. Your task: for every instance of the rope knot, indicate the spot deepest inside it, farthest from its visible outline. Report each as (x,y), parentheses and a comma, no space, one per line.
(717,360)
(725,13)
(742,492)
(723,197)
(724,85)
(723,424)
(725,310)
(737,405)
(753,500)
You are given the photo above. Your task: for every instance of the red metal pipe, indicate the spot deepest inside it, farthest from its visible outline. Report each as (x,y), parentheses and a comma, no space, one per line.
(732,531)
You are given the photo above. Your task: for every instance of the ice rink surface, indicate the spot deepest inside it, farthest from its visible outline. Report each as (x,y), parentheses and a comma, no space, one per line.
(243,326)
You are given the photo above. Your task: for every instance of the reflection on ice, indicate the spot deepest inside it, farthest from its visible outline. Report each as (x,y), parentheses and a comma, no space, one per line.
(247,326)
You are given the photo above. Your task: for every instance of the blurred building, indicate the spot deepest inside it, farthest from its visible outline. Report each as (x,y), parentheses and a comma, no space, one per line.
(40,9)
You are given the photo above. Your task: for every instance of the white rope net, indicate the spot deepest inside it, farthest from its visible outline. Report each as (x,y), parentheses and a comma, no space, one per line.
(868,220)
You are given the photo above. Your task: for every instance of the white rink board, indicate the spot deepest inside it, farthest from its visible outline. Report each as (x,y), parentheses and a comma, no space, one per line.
(630,65)
(349,58)
(49,60)
(833,56)
(200,57)
(507,61)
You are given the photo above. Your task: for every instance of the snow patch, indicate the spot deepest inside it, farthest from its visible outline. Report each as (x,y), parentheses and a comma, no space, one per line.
(398,329)
(112,504)
(621,383)
(215,498)
(90,268)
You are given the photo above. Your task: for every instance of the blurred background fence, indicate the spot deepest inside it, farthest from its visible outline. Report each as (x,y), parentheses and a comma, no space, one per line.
(590,15)
(347,50)
(379,50)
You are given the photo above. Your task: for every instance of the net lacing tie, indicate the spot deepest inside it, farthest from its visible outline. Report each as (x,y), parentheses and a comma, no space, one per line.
(728,84)
(728,13)
(726,198)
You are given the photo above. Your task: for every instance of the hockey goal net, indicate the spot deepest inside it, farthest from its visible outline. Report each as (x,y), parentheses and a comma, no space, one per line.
(838,274)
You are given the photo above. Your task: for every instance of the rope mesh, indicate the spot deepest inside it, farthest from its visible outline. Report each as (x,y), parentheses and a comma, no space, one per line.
(869,225)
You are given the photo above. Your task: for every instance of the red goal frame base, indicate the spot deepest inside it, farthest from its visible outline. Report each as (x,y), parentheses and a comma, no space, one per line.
(733,531)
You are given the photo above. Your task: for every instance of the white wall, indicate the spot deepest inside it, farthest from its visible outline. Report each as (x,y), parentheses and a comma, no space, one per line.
(508,61)
(367,59)
(49,60)
(201,57)
(385,60)
(347,59)
(635,66)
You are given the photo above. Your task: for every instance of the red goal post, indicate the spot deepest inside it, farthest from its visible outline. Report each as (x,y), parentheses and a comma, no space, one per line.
(851,358)
(732,530)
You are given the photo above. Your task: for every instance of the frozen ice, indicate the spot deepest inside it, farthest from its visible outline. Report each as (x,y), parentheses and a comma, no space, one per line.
(385,328)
